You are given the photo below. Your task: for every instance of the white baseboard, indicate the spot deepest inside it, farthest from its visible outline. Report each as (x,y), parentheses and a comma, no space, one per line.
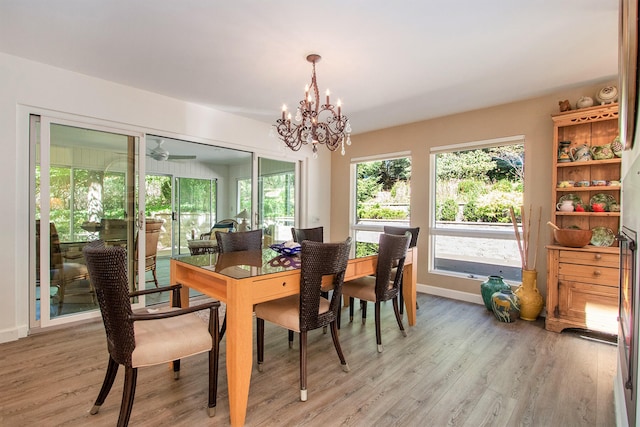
(13,334)
(449,293)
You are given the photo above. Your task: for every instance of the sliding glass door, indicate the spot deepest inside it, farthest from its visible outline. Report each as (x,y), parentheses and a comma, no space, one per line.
(84,182)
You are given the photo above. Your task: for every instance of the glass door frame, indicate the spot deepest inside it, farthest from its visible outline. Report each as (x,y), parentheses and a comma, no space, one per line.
(46,121)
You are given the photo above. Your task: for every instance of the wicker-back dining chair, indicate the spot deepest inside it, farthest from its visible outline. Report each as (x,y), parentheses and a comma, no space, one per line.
(309,310)
(153,227)
(144,339)
(315,234)
(384,285)
(389,229)
(239,241)
(235,242)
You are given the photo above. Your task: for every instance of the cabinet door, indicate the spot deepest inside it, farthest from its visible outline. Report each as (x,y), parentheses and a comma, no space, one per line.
(594,306)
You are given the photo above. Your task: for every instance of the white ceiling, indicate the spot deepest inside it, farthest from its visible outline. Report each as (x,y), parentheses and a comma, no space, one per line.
(389,62)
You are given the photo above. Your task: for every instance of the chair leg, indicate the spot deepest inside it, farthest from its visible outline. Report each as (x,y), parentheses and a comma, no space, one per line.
(303,366)
(290,339)
(351,302)
(223,329)
(155,277)
(130,376)
(109,377)
(378,329)
(336,344)
(398,317)
(214,359)
(363,308)
(60,298)
(401,298)
(176,369)
(260,343)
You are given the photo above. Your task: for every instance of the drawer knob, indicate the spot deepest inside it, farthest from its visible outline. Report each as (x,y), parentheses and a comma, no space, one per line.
(597,273)
(598,256)
(284,283)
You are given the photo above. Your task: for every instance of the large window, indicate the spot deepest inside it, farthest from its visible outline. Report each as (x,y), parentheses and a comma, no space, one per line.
(476,185)
(382,197)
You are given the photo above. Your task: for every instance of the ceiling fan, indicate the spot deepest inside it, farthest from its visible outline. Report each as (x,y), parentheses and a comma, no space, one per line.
(161,154)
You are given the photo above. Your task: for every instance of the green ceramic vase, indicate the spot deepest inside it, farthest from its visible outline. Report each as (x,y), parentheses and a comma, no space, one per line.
(491,286)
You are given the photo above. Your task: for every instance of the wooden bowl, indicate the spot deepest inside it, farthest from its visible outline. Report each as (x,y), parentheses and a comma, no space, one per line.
(573,238)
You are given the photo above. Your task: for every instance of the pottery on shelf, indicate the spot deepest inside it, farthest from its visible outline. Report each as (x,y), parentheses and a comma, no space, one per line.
(607,95)
(492,285)
(617,147)
(584,102)
(565,206)
(505,306)
(563,151)
(602,152)
(580,153)
(531,301)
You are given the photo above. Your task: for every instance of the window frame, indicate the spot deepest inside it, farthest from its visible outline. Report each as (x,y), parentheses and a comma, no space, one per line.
(435,230)
(354,226)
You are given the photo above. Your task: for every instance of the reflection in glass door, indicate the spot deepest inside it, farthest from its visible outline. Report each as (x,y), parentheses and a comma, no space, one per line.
(276,199)
(84,189)
(195,204)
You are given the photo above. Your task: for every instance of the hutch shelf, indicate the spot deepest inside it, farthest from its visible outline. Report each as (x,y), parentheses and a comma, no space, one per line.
(582,283)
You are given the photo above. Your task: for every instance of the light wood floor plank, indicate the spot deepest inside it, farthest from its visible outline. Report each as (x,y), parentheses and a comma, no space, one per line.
(458,366)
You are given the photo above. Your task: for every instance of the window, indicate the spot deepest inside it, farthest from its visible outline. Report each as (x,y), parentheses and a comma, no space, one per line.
(382,197)
(476,184)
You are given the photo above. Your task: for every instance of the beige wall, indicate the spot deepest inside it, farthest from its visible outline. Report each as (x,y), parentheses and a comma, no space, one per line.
(530,118)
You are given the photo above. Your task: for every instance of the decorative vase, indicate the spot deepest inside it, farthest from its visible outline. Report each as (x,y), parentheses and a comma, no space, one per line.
(531,301)
(491,286)
(563,151)
(505,306)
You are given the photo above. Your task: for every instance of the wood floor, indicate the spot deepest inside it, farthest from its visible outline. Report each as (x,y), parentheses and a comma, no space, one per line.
(458,366)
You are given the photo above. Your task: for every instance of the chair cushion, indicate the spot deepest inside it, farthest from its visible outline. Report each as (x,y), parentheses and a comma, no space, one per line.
(362,288)
(69,271)
(285,312)
(165,340)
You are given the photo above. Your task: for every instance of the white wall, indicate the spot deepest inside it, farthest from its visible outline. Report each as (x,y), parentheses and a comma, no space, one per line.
(29,87)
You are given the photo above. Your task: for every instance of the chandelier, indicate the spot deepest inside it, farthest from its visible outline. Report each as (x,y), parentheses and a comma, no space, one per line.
(315,123)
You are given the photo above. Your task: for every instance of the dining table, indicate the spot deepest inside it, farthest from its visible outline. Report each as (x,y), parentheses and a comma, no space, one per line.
(243,279)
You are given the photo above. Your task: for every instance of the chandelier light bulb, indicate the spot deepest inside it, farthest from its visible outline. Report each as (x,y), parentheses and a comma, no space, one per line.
(315,122)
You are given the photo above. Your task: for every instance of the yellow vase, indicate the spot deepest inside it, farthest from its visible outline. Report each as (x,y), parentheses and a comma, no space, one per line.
(531,301)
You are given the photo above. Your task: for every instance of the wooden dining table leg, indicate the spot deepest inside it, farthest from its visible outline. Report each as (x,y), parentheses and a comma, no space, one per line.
(409,288)
(239,349)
